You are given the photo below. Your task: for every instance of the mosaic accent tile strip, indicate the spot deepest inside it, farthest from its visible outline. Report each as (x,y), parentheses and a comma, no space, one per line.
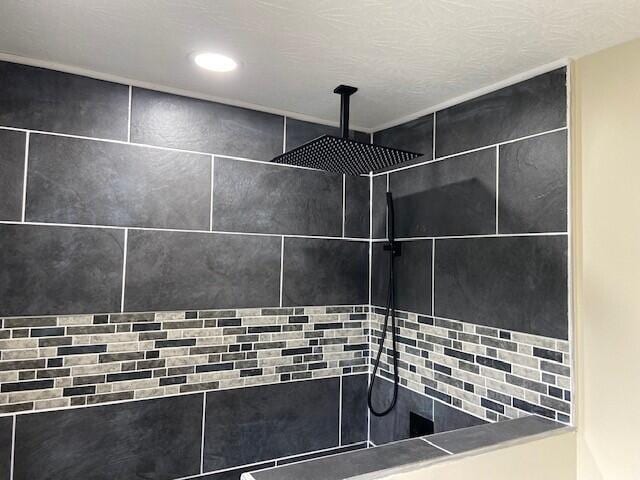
(63,361)
(491,373)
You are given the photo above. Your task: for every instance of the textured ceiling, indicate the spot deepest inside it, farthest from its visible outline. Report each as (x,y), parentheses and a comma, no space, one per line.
(404,55)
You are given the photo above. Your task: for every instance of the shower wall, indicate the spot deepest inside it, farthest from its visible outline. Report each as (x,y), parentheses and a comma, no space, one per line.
(177,305)
(482,283)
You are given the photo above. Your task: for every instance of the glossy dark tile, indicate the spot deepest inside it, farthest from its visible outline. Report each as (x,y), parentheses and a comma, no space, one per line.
(40,99)
(413,136)
(190,124)
(379,206)
(253,424)
(356,215)
(12,146)
(395,425)
(6,439)
(446,418)
(254,197)
(533,185)
(492,433)
(532,106)
(300,132)
(354,408)
(151,439)
(356,463)
(515,283)
(325,272)
(412,272)
(59,270)
(90,182)
(197,271)
(456,196)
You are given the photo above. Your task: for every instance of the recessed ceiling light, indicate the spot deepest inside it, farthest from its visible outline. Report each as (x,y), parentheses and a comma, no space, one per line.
(215,62)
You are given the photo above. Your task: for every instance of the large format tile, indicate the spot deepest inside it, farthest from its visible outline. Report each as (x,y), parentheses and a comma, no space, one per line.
(356,214)
(395,425)
(6,440)
(446,418)
(90,182)
(182,270)
(253,424)
(354,408)
(151,439)
(59,270)
(254,197)
(532,106)
(379,206)
(485,435)
(300,132)
(456,196)
(187,123)
(413,136)
(516,283)
(325,272)
(40,99)
(533,185)
(412,274)
(354,464)
(12,146)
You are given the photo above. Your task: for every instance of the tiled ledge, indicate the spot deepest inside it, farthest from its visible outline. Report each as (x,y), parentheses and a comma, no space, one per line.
(372,462)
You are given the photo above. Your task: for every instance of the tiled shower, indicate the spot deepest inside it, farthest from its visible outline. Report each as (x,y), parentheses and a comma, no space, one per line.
(173,305)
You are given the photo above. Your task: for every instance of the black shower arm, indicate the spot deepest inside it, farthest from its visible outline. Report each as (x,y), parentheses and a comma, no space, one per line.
(345,91)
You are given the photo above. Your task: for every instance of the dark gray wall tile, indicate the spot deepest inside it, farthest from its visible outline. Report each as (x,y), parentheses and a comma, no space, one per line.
(517,283)
(412,273)
(299,132)
(325,272)
(446,418)
(356,217)
(355,464)
(379,206)
(59,270)
(259,423)
(533,185)
(354,408)
(40,99)
(235,473)
(395,425)
(532,106)
(11,174)
(254,197)
(187,123)
(6,439)
(182,270)
(150,439)
(413,136)
(101,183)
(456,196)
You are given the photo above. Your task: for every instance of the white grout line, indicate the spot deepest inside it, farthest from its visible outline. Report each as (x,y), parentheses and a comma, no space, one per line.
(124,268)
(370,232)
(487,235)
(157,147)
(438,447)
(433,146)
(344,202)
(129,116)
(284,136)
(13,448)
(340,415)
(24,181)
(211,194)
(281,270)
(204,410)
(466,152)
(497,187)
(433,276)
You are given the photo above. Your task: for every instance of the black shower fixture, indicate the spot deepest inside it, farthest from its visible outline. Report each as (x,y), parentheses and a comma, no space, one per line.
(342,154)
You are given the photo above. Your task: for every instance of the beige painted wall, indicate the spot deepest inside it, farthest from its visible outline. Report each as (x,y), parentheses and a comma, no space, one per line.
(607,235)
(550,458)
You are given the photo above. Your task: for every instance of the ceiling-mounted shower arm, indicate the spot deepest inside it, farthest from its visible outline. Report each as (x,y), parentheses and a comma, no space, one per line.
(345,91)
